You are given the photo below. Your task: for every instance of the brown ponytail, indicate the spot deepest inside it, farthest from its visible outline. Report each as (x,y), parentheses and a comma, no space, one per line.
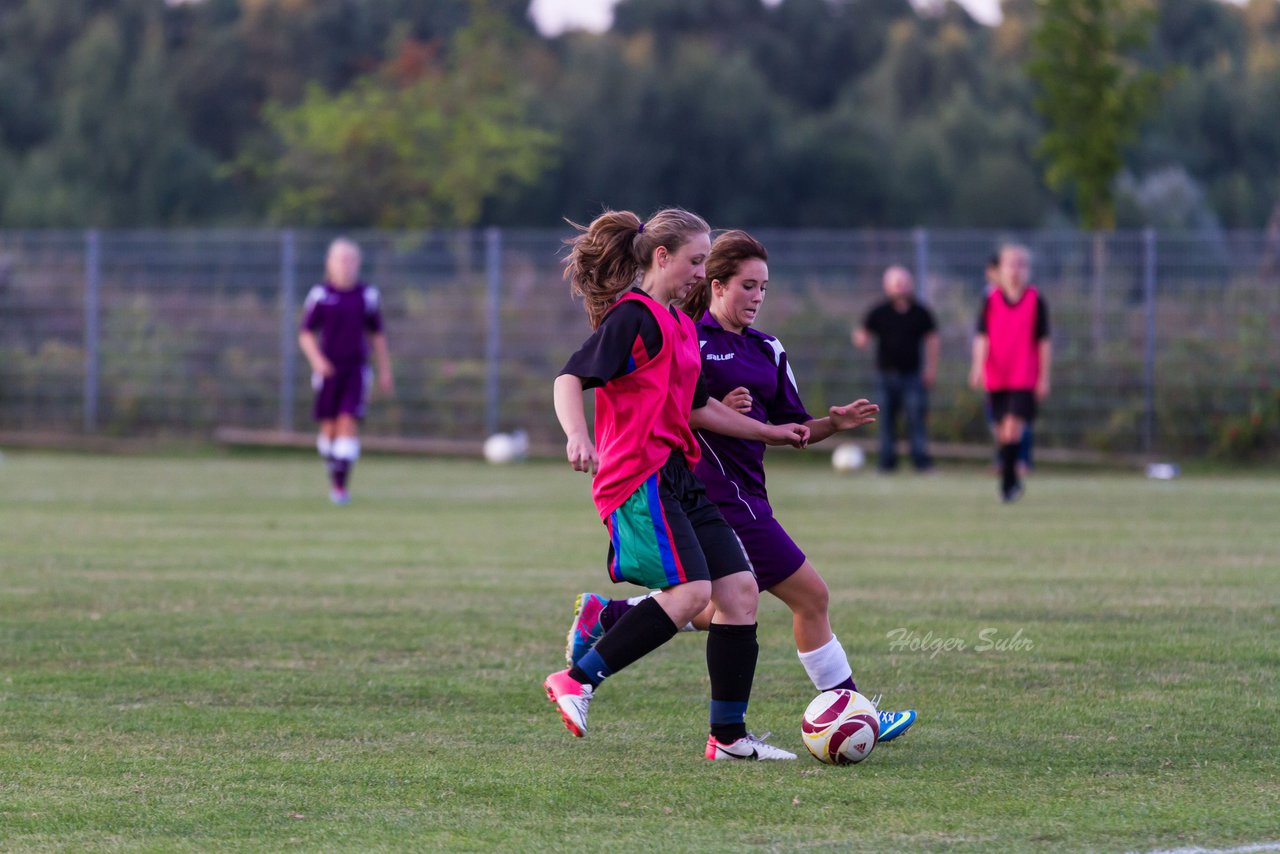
(727,254)
(611,254)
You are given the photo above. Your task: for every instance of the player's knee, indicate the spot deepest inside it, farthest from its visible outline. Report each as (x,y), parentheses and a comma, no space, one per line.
(736,597)
(689,600)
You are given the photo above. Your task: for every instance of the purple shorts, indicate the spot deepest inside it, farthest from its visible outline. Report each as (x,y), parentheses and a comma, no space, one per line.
(774,555)
(343,393)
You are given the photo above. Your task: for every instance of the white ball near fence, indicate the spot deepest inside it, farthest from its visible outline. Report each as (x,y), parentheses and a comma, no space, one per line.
(503,448)
(847,457)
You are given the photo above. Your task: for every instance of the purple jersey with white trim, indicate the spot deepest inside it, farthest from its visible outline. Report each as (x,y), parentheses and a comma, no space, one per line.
(733,469)
(341,318)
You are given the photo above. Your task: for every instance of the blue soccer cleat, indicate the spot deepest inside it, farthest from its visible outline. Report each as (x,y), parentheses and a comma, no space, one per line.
(586,628)
(894,724)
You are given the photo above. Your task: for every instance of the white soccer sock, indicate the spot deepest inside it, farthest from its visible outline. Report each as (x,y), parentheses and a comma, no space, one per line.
(346,448)
(324,445)
(827,665)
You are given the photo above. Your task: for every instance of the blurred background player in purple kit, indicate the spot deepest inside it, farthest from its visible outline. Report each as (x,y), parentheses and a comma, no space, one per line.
(907,361)
(1012,357)
(748,370)
(342,319)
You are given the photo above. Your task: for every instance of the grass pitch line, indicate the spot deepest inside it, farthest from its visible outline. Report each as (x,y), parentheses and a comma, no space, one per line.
(1243,849)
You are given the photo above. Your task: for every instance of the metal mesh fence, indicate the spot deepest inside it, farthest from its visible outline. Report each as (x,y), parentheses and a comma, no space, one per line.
(1163,343)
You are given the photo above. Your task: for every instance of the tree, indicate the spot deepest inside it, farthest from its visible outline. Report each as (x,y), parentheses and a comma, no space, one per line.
(89,116)
(422,142)
(114,151)
(1093,101)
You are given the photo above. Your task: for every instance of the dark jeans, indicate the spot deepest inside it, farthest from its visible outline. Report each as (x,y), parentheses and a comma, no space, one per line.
(906,394)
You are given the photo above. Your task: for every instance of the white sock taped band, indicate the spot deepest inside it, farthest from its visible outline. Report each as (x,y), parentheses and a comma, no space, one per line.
(827,665)
(346,448)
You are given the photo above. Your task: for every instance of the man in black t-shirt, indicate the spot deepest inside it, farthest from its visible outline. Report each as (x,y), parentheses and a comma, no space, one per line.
(907,360)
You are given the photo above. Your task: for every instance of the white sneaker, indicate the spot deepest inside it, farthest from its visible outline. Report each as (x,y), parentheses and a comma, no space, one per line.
(747,747)
(572,698)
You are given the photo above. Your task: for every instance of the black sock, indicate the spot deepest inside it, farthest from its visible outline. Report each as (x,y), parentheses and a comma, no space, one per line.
(1008,466)
(636,634)
(339,471)
(731,663)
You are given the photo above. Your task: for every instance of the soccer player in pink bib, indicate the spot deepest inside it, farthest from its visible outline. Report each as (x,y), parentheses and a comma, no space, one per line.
(1012,357)
(342,317)
(664,533)
(749,371)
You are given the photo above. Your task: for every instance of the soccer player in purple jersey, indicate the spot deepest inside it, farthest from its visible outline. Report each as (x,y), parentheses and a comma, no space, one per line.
(342,318)
(750,372)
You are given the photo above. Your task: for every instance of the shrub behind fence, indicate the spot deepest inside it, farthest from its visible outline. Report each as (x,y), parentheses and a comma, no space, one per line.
(1163,343)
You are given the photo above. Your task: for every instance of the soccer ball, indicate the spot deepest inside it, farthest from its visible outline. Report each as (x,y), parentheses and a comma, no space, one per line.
(847,457)
(840,727)
(502,448)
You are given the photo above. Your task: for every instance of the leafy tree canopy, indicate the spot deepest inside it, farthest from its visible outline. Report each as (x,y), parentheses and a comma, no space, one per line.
(827,113)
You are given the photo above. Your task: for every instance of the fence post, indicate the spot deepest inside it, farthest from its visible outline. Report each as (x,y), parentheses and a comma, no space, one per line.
(920,236)
(92,284)
(1098,282)
(1149,348)
(288,345)
(493,327)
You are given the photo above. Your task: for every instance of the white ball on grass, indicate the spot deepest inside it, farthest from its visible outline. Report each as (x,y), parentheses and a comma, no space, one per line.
(847,457)
(503,448)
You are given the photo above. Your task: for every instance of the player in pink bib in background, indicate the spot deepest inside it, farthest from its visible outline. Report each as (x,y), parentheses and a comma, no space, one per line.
(1012,357)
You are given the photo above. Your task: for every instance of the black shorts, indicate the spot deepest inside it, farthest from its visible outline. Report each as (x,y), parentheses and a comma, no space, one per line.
(668,532)
(1019,403)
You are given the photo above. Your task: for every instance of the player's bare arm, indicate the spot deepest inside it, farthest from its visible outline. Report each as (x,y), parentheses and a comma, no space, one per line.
(311,349)
(571,413)
(838,418)
(718,418)
(932,350)
(980,345)
(382,355)
(1046,362)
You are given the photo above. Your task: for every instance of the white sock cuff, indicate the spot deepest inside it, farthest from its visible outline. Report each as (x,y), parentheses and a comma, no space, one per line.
(827,665)
(346,448)
(324,445)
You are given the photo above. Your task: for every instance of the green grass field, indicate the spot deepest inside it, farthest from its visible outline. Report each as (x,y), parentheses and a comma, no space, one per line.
(201,654)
